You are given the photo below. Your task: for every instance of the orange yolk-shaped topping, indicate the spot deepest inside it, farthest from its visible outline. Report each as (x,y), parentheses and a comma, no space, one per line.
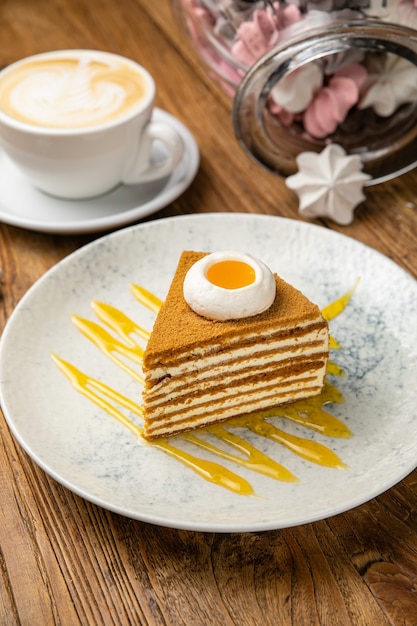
(231,274)
(229,285)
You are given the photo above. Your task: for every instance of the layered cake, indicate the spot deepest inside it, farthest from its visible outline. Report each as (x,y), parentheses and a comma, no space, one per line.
(230,339)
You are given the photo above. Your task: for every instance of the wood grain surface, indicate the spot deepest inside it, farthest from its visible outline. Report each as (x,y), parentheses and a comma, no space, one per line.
(65,561)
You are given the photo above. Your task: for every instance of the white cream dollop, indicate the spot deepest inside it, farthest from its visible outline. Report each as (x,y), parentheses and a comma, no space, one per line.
(220,303)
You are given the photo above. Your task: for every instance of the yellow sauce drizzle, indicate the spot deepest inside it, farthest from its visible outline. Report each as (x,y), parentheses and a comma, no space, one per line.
(334,309)
(334,369)
(88,387)
(307,413)
(338,306)
(333,343)
(109,345)
(118,321)
(252,458)
(146,298)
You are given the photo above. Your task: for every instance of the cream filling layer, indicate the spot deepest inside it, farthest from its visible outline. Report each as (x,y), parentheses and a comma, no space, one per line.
(231,376)
(236,399)
(234,370)
(276,333)
(181,422)
(198,359)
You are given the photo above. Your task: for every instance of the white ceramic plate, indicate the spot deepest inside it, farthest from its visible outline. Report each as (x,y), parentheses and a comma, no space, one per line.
(23,205)
(89,452)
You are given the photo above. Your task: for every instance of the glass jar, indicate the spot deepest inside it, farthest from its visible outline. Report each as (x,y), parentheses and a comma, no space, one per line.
(309,73)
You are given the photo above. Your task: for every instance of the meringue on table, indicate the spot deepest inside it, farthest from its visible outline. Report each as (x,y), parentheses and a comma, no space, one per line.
(329,184)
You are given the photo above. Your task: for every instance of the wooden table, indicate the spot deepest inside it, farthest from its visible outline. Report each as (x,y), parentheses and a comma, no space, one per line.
(66,561)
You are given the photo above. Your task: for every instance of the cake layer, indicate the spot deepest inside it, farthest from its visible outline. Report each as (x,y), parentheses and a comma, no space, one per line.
(212,413)
(232,371)
(288,337)
(264,352)
(229,380)
(221,391)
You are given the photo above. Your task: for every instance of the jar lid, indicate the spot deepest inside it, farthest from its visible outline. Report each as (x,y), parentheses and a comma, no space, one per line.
(377,61)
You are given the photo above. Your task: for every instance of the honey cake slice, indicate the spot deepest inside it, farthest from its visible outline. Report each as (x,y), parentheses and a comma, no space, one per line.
(200,371)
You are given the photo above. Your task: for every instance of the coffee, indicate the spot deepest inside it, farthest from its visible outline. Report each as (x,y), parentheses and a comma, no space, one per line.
(65,91)
(78,123)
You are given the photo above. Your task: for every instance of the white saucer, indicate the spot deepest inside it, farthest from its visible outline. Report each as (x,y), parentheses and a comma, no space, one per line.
(23,205)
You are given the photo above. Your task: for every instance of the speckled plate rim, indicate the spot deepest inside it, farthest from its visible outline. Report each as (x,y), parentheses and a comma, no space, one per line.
(88,452)
(24,206)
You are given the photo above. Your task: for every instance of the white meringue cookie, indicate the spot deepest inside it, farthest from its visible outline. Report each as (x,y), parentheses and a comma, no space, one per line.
(391,82)
(329,184)
(295,91)
(402,12)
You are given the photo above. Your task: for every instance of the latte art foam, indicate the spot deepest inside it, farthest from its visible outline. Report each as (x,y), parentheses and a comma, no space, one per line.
(70,92)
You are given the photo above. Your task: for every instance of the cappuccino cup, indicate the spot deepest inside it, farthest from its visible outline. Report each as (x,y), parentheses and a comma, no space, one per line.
(78,123)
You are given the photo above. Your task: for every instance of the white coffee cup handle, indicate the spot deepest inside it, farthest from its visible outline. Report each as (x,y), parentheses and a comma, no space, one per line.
(143,170)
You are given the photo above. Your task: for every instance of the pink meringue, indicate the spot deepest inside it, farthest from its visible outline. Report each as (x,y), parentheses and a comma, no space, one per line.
(286,15)
(285,117)
(332,103)
(257,36)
